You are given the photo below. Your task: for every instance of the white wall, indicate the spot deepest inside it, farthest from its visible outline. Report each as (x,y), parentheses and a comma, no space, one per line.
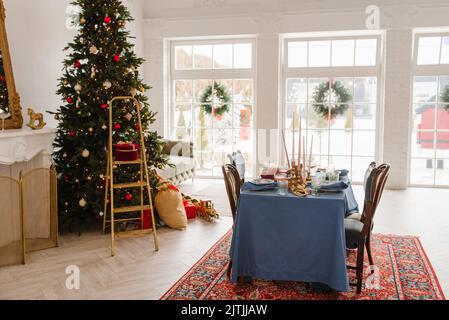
(37,34)
(270,18)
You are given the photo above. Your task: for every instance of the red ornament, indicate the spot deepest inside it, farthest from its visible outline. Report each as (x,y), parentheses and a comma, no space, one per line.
(2,78)
(77,64)
(69,100)
(107,20)
(117,126)
(72,133)
(137,127)
(116,58)
(104,106)
(129,197)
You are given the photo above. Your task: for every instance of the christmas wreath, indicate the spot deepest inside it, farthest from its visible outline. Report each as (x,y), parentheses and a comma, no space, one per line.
(445,97)
(215,100)
(321,99)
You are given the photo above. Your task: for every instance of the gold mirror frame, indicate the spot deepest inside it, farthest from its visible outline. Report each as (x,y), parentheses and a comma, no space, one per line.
(16,119)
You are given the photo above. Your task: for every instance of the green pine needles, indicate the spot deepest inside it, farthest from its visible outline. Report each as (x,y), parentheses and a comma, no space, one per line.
(100,65)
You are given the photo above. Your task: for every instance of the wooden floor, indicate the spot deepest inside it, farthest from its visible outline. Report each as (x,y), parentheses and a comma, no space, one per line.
(137,272)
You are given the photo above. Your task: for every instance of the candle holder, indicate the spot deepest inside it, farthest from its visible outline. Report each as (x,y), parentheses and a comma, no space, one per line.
(297,184)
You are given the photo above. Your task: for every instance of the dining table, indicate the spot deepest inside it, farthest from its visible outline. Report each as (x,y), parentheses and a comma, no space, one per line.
(282,237)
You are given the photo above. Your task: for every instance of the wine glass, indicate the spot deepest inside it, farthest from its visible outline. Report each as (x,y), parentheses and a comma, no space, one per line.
(282,180)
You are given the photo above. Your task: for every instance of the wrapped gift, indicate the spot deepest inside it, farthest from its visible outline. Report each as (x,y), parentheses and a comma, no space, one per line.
(190,210)
(147,221)
(126,151)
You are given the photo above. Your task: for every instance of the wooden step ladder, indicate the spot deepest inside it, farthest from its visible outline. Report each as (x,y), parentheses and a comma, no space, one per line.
(143,183)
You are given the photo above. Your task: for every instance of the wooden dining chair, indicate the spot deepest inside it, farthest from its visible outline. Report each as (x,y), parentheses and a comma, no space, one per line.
(358,232)
(233,185)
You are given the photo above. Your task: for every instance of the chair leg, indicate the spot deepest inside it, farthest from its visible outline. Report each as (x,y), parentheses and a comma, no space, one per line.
(360,257)
(368,250)
(228,272)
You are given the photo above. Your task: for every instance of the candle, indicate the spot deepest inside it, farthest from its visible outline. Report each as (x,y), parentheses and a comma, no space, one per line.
(299,145)
(293,144)
(310,155)
(304,154)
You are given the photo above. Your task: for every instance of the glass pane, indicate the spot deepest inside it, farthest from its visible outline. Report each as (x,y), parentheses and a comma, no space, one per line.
(424,116)
(340,143)
(340,163)
(183,134)
(297,54)
(203,163)
(344,120)
(202,57)
(425,89)
(364,116)
(443,117)
(320,141)
(243,116)
(243,139)
(422,172)
(366,52)
(199,88)
(297,90)
(319,53)
(442,173)
(364,143)
(316,120)
(243,56)
(183,57)
(204,139)
(359,166)
(365,89)
(445,51)
(223,141)
(429,50)
(224,120)
(422,144)
(442,144)
(443,96)
(313,85)
(183,91)
(223,56)
(243,91)
(227,85)
(343,53)
(202,119)
(183,116)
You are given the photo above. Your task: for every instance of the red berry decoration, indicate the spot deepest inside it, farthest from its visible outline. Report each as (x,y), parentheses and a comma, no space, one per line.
(77,64)
(72,133)
(107,20)
(104,106)
(117,126)
(2,78)
(69,100)
(116,58)
(129,197)
(137,127)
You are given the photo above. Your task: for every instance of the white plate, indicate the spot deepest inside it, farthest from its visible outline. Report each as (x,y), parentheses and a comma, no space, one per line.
(261,182)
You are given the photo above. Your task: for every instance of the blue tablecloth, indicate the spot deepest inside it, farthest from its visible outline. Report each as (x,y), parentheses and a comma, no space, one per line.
(290,238)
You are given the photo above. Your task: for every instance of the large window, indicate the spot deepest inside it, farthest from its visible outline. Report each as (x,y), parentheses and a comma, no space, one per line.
(430,125)
(344,135)
(213,100)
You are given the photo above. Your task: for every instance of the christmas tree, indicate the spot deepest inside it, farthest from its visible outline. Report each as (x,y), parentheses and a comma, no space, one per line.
(100,65)
(4,99)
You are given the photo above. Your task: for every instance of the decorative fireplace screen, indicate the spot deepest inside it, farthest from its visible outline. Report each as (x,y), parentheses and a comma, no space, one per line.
(29,215)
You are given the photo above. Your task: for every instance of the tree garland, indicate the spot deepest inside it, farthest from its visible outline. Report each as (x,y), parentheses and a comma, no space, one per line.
(321,99)
(445,97)
(207,99)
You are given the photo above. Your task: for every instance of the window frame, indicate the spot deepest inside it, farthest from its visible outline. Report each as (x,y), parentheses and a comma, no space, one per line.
(336,72)
(429,70)
(202,74)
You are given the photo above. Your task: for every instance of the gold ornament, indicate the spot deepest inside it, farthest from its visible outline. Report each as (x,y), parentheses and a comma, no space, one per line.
(82,203)
(39,117)
(85,153)
(93,50)
(78,87)
(107,84)
(82,20)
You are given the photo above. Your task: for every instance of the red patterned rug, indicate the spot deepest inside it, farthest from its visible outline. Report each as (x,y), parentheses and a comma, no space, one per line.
(405,273)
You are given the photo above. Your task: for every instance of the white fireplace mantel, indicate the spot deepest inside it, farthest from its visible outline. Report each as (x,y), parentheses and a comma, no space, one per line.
(25,149)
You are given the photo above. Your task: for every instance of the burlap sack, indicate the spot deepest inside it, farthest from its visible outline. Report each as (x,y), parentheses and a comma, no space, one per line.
(171,210)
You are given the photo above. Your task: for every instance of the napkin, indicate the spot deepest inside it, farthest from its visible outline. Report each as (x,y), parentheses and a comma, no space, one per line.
(248,186)
(335,186)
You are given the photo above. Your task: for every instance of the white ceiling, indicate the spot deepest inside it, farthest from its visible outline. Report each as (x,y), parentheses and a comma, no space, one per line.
(198,8)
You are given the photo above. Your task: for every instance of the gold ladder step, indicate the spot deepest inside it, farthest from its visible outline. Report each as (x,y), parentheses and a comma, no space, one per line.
(130,185)
(124,220)
(133,233)
(139,161)
(131,209)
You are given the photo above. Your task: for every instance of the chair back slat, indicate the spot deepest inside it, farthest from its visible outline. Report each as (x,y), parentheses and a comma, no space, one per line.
(233,185)
(375,184)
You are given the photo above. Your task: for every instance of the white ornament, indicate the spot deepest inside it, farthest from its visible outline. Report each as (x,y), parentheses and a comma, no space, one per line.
(101,213)
(104,127)
(85,153)
(93,50)
(78,87)
(107,84)
(83,203)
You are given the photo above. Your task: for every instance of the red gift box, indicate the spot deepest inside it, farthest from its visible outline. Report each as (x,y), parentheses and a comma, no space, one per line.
(190,210)
(126,152)
(147,221)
